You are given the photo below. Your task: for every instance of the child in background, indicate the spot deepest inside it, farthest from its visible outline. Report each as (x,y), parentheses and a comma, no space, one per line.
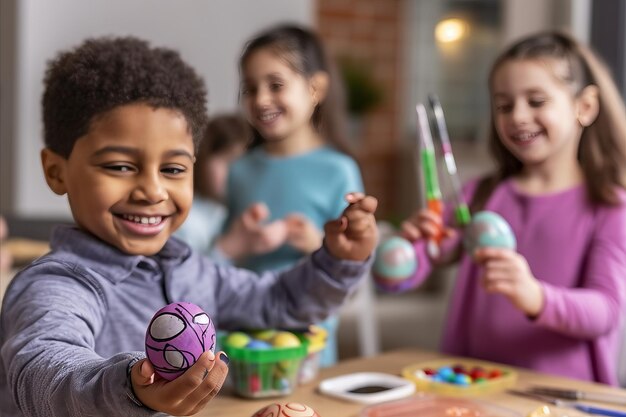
(298,165)
(559,139)
(121,120)
(225,139)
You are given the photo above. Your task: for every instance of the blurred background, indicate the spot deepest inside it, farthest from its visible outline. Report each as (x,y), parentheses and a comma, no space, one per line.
(392,53)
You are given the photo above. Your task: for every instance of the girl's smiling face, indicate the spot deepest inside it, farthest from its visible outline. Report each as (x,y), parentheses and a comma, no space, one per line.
(535,113)
(129,179)
(278,101)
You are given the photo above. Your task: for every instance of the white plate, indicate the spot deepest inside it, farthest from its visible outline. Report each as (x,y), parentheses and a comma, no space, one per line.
(367,387)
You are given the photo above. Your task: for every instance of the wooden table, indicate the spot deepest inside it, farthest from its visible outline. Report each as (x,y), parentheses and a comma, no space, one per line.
(228,405)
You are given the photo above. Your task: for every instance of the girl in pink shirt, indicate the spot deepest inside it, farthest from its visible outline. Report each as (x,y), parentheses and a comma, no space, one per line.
(558,136)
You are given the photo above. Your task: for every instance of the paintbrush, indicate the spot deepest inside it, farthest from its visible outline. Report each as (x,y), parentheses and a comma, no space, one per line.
(434,200)
(461,211)
(570,394)
(586,408)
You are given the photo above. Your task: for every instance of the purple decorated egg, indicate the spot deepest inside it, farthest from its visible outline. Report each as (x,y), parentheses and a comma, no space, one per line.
(176,337)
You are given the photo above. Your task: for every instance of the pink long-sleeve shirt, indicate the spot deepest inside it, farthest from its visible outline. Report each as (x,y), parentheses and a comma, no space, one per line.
(578,253)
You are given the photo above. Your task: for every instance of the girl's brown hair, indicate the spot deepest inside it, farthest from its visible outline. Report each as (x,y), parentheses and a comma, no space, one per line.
(303,51)
(602,148)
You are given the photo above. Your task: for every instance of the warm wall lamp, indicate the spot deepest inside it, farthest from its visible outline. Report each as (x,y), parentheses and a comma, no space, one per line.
(451,30)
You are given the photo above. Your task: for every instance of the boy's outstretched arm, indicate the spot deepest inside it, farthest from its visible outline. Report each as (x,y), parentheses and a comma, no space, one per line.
(48,327)
(354,235)
(48,333)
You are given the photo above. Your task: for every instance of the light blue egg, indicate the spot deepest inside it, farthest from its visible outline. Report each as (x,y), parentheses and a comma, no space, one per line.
(488,229)
(395,259)
(258,344)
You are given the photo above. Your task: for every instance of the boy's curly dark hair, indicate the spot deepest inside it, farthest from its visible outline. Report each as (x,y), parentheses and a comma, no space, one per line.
(104,73)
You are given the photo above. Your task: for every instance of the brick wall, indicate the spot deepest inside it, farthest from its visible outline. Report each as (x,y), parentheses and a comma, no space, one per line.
(371,31)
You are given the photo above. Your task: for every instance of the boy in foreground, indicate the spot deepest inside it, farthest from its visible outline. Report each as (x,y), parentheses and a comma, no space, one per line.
(121,120)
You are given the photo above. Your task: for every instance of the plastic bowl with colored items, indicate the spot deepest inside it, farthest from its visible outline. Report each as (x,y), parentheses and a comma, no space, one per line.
(263,369)
(460,377)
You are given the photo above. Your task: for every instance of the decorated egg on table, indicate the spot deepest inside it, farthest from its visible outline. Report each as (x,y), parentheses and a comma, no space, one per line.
(176,337)
(488,229)
(286,410)
(395,260)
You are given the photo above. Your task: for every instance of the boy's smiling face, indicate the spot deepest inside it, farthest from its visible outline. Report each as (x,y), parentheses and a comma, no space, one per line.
(129,179)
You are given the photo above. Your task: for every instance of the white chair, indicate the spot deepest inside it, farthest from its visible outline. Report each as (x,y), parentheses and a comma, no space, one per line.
(365,300)
(367,320)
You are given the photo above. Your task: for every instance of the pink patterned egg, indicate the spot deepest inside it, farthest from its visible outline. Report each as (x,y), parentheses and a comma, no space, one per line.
(286,410)
(176,337)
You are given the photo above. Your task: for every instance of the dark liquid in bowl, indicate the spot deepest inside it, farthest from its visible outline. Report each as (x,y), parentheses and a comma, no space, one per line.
(369,389)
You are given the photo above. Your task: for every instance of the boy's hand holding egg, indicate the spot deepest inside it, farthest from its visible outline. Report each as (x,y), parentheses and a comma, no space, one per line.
(181,373)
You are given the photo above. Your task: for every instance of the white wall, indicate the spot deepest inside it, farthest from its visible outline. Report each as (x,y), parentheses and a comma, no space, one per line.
(420,55)
(208,33)
(524,17)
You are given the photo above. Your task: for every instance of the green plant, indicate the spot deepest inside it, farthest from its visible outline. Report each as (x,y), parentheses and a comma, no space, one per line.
(362,90)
